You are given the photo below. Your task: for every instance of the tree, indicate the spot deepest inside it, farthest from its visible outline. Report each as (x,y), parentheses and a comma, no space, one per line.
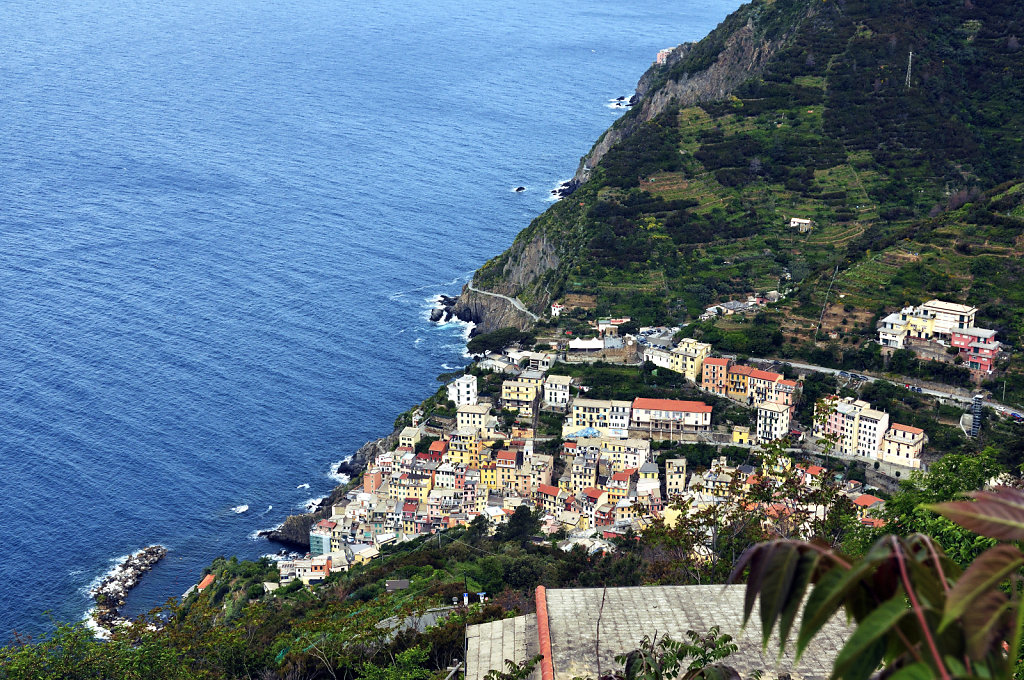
(521,526)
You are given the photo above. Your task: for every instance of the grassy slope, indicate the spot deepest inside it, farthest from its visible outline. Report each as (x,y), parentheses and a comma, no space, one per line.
(693,207)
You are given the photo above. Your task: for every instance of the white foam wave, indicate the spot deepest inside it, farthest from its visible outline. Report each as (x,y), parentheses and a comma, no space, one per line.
(239,509)
(113,570)
(417,341)
(553,193)
(90,623)
(302,486)
(338,477)
(275,557)
(310,504)
(255,535)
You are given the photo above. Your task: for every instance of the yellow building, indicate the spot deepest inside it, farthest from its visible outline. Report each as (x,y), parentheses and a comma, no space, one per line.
(521,394)
(691,355)
(738,377)
(464,447)
(489,476)
(409,436)
(741,435)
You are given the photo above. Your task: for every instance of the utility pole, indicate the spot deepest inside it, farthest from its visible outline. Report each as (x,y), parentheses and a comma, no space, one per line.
(910,60)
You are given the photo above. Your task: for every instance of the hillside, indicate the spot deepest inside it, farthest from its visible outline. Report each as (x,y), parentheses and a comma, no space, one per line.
(799,108)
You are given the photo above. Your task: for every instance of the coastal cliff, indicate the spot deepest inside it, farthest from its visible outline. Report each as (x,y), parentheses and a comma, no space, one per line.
(538,268)
(294,532)
(680,80)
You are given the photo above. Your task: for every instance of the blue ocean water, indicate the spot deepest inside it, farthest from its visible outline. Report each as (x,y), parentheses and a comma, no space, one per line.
(221,222)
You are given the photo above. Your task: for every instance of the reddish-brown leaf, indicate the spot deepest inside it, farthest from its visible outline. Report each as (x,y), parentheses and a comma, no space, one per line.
(997,514)
(984,575)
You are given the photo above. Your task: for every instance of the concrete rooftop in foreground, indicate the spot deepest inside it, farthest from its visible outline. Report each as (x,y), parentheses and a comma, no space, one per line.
(588,627)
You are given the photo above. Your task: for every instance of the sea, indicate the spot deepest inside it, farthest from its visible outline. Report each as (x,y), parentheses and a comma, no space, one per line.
(223,224)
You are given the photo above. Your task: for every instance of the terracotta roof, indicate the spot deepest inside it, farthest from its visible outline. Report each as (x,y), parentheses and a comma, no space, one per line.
(789,383)
(907,428)
(622,476)
(591,492)
(876,522)
(741,369)
(671,405)
(866,500)
(207,580)
(547,489)
(506,455)
(326,524)
(764,375)
(714,361)
(815,470)
(439,446)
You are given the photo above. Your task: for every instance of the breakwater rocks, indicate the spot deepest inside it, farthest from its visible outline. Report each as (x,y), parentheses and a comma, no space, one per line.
(294,532)
(112,590)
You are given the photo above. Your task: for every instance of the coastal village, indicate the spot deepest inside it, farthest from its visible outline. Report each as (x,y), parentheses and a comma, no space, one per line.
(606,478)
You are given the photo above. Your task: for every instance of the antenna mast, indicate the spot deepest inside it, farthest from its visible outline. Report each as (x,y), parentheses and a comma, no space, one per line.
(910,60)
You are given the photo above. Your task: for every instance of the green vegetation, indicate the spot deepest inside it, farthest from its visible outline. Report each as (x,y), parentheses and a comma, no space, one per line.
(914,191)
(500,339)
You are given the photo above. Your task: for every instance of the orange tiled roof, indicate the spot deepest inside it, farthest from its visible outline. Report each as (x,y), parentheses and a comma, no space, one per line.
(671,405)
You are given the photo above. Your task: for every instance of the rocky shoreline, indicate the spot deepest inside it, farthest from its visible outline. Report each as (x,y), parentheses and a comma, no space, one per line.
(111,592)
(293,533)
(447,310)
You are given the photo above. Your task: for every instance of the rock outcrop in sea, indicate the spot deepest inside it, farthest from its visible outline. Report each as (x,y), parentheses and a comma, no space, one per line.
(294,532)
(111,592)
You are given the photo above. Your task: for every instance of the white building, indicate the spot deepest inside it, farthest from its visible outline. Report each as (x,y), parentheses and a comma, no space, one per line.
(668,418)
(463,391)
(949,316)
(472,416)
(772,421)
(871,427)
(556,391)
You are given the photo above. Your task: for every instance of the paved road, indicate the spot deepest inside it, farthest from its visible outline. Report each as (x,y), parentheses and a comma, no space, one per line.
(514,301)
(945,394)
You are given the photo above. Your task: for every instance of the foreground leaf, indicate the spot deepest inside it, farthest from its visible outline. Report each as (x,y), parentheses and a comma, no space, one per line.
(985,574)
(863,651)
(997,514)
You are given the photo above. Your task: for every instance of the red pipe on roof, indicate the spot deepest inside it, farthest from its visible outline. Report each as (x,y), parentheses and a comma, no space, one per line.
(547,671)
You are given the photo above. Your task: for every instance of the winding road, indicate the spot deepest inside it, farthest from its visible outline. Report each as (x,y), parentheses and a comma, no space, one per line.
(514,301)
(951,393)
